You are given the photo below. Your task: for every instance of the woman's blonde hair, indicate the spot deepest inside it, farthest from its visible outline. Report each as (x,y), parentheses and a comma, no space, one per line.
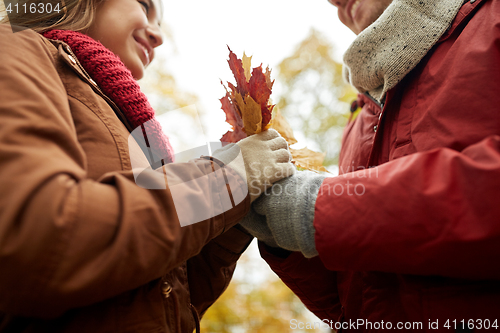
(76,15)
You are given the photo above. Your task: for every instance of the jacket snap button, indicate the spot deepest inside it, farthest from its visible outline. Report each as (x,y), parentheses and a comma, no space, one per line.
(166,289)
(73,61)
(354,106)
(375,128)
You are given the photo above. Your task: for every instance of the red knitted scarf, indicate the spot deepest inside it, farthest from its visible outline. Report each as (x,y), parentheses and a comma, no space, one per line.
(117,82)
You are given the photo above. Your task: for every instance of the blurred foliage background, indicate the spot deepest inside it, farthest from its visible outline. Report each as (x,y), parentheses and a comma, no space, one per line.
(255,301)
(313,97)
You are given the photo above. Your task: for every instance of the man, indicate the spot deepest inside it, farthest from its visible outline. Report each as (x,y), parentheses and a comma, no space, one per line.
(407,236)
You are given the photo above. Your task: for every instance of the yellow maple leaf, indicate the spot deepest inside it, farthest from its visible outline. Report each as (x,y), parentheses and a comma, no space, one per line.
(267,74)
(250,112)
(247,66)
(280,124)
(307,159)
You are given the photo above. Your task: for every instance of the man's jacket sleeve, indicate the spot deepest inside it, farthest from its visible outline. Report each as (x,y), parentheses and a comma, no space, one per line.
(429,213)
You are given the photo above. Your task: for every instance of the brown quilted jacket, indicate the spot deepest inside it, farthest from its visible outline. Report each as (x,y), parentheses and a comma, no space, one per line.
(82,247)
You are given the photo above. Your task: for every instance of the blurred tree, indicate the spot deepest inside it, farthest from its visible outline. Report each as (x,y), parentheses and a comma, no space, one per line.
(313,95)
(176,108)
(161,88)
(256,301)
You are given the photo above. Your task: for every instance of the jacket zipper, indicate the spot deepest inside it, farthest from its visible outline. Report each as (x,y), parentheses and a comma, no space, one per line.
(86,77)
(376,127)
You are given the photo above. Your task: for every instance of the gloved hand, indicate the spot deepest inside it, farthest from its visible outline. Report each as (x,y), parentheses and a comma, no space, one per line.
(262,159)
(283,216)
(256,226)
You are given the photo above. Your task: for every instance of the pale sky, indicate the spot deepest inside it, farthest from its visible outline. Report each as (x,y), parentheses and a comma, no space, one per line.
(269,30)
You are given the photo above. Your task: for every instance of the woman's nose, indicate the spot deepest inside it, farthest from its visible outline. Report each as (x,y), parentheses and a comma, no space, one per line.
(155,36)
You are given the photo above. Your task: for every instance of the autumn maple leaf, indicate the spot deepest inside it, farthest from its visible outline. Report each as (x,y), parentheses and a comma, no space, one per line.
(260,92)
(248,110)
(247,105)
(236,66)
(233,117)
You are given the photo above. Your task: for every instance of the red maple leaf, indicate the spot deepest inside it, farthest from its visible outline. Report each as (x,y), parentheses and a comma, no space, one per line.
(260,92)
(239,73)
(233,136)
(233,116)
(242,101)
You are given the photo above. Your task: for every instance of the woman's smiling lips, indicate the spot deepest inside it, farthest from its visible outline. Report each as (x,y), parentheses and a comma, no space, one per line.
(145,48)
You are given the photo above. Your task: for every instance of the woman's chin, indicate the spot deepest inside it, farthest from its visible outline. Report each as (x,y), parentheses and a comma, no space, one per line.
(137,71)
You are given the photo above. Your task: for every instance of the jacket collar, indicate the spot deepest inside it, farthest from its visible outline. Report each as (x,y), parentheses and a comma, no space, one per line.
(465,13)
(386,51)
(68,57)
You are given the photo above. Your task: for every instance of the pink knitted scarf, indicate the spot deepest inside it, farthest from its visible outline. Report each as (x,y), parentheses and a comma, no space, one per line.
(117,82)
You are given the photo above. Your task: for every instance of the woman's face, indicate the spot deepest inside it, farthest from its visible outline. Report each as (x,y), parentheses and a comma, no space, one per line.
(130,29)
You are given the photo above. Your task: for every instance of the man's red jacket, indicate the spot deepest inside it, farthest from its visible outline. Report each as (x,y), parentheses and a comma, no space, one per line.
(416,238)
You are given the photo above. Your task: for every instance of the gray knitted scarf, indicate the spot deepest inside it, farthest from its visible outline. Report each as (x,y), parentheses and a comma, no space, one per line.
(394,44)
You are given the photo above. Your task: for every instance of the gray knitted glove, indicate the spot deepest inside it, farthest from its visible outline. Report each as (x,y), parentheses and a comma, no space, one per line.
(288,207)
(256,225)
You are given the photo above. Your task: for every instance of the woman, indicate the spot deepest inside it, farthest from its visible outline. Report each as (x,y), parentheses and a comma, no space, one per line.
(83,248)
